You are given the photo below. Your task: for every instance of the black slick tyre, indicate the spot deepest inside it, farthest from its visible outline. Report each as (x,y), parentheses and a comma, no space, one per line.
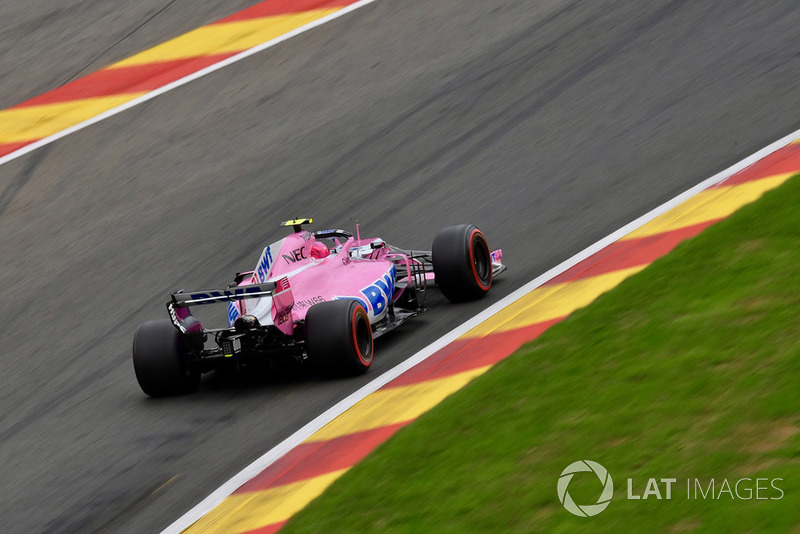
(159,360)
(462,263)
(338,338)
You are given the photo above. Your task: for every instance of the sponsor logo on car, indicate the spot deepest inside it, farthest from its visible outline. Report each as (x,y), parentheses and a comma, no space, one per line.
(295,255)
(233,313)
(282,285)
(283,317)
(328,231)
(174,318)
(379,293)
(263,266)
(307,303)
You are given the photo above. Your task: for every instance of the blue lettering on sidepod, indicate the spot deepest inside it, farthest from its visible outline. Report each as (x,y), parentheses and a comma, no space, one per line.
(380,293)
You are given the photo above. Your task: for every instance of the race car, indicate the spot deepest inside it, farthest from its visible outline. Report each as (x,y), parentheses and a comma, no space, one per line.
(314,298)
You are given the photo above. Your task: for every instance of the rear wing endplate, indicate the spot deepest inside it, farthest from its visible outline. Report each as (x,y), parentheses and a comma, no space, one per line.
(210,296)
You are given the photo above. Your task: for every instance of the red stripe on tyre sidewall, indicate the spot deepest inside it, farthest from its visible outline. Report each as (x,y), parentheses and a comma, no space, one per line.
(356,311)
(472,260)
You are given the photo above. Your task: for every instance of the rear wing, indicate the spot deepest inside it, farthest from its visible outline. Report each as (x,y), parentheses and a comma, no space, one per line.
(211,296)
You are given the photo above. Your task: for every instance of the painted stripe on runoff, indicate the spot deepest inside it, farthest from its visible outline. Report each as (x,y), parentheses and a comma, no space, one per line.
(144,76)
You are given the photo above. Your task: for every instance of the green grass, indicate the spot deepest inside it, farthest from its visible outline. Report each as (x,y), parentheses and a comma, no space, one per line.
(688,370)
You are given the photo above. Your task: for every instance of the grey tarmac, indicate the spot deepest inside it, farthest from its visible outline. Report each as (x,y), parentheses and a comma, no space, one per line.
(548,124)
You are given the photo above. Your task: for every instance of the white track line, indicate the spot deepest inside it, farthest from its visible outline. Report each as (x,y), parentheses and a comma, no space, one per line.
(183,81)
(249,472)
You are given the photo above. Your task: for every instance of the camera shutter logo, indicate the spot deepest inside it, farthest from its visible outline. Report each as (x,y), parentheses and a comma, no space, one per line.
(585,510)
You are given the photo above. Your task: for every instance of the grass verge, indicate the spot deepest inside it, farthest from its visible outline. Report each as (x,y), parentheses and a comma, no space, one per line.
(687,370)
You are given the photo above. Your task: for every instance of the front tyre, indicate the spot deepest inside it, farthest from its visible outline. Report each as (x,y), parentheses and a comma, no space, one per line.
(462,263)
(339,338)
(160,352)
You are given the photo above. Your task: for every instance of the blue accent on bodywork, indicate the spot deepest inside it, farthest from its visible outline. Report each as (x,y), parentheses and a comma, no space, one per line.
(379,293)
(263,266)
(233,313)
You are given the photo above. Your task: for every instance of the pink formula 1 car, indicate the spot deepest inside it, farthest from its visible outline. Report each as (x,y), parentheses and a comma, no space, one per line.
(317,298)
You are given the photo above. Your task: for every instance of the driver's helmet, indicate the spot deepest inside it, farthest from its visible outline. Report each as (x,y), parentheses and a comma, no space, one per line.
(319,251)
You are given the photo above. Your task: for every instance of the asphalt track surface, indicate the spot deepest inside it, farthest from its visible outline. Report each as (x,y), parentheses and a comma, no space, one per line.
(549,124)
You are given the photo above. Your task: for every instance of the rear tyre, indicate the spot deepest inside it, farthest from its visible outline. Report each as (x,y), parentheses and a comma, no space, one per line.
(339,338)
(160,352)
(462,263)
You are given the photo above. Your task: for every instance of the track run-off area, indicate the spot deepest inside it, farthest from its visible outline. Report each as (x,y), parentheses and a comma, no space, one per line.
(549,126)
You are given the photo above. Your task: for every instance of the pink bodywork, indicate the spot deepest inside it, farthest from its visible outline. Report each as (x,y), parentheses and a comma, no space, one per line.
(353,270)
